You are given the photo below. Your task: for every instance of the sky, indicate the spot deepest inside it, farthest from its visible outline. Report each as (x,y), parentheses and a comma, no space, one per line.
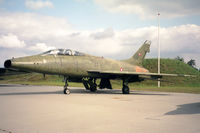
(110,28)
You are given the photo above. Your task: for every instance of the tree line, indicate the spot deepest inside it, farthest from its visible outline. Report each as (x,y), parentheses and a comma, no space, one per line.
(191,62)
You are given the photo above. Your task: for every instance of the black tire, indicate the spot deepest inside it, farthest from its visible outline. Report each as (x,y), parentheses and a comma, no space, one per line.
(66,91)
(93,88)
(125,90)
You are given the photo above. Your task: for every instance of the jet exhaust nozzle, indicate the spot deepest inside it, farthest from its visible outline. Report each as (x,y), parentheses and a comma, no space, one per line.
(7,64)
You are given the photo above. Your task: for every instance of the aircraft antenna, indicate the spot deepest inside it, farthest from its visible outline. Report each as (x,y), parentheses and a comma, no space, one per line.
(158,48)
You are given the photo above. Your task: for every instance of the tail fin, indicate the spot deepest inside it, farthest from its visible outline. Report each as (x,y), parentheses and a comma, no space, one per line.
(139,56)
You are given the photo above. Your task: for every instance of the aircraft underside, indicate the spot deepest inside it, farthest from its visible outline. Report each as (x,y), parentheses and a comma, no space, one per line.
(90,84)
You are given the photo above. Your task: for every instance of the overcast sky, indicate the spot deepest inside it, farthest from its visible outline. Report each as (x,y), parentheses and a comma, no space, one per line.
(109,28)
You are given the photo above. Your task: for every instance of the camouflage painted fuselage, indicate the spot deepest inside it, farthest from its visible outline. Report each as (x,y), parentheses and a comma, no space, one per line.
(73,66)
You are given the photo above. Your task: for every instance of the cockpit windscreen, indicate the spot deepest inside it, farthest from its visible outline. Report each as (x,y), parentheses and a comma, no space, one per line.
(63,52)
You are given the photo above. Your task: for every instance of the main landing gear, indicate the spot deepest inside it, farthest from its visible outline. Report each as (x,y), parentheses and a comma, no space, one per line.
(125,89)
(90,84)
(66,90)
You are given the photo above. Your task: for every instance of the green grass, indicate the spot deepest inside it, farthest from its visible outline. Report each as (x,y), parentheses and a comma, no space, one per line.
(172,84)
(176,67)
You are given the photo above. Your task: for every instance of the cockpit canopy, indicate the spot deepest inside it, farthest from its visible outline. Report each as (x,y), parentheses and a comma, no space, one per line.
(63,52)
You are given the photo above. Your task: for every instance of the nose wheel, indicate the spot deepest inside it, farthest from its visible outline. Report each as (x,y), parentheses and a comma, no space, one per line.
(66,90)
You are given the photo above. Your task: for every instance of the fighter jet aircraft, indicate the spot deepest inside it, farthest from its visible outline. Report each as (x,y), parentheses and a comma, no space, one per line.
(79,67)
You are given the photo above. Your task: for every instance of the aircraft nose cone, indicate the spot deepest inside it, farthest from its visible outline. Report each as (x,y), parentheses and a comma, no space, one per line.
(7,64)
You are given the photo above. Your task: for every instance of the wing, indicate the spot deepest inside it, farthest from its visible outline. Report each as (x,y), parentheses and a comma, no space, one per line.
(123,74)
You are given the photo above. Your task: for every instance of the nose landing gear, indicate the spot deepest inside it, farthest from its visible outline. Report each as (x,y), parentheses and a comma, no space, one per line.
(66,90)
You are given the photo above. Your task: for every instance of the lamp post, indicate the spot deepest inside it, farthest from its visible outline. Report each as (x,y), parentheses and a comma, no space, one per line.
(158,48)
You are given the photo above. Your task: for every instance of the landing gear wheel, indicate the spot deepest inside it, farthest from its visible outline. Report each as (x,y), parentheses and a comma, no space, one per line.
(66,91)
(125,90)
(93,89)
(90,84)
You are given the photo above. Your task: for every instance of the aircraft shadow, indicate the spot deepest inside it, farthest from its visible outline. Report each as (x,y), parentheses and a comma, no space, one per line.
(83,91)
(191,108)
(29,93)
(11,85)
(117,92)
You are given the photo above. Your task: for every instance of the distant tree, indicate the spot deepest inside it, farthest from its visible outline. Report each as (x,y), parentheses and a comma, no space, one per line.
(191,63)
(179,58)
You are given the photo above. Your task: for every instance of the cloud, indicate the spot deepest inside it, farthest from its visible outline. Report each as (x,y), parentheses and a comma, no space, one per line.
(148,9)
(10,41)
(107,33)
(41,47)
(38,4)
(31,25)
(41,33)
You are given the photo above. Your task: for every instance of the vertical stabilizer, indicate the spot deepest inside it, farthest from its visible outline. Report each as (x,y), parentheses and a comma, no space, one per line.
(139,56)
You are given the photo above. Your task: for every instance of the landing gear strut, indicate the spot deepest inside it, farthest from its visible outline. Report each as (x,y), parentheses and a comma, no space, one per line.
(66,90)
(125,89)
(90,84)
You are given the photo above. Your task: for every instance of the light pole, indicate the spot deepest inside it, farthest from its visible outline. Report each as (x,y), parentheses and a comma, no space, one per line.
(158,48)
